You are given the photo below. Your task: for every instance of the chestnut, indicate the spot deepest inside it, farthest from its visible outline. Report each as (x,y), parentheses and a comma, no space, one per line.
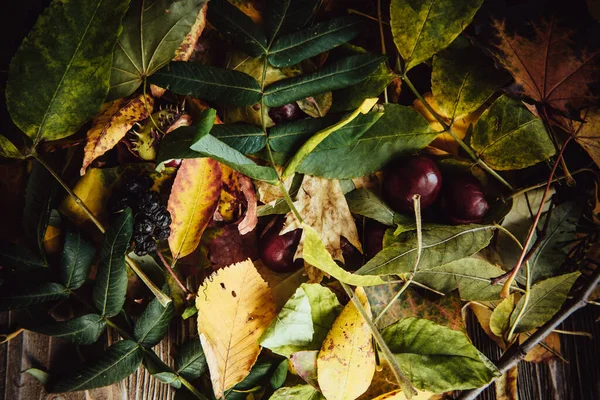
(277,251)
(463,200)
(286,113)
(410,176)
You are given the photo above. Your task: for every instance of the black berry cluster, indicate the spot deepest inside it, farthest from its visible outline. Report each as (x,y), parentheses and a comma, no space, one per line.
(151,218)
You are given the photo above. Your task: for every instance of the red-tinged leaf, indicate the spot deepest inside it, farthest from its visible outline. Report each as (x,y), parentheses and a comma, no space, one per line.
(192,203)
(228,246)
(305,364)
(548,68)
(112,124)
(441,310)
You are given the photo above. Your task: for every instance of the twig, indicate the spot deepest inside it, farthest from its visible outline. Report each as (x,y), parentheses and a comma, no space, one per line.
(448,129)
(517,267)
(540,185)
(173,274)
(372,18)
(518,353)
(403,381)
(382,37)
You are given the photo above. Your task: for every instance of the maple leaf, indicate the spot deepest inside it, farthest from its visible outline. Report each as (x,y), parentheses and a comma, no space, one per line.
(548,68)
(322,205)
(588,134)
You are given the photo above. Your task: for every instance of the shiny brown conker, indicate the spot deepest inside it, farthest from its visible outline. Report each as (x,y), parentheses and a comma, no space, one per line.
(277,251)
(463,200)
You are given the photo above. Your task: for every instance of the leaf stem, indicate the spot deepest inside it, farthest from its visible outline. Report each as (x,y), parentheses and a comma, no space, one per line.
(448,129)
(382,37)
(162,298)
(7,337)
(171,272)
(402,380)
(518,353)
(540,185)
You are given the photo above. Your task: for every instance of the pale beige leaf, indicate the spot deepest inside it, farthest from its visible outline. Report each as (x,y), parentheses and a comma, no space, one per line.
(112,124)
(235,306)
(323,206)
(506,385)
(346,361)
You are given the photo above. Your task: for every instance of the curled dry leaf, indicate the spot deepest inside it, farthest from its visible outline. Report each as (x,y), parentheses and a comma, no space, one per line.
(346,361)
(112,124)
(235,306)
(192,203)
(323,206)
(250,220)
(185,50)
(547,67)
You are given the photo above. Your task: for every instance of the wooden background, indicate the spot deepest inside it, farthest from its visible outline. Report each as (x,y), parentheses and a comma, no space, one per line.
(579,379)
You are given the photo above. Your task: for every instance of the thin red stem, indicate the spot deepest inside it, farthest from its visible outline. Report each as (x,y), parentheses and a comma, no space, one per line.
(173,274)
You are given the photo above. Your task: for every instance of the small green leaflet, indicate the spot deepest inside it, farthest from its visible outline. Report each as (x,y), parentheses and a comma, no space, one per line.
(152,32)
(59,76)
(190,361)
(316,255)
(337,75)
(169,378)
(38,374)
(366,203)
(39,199)
(8,149)
(118,362)
(223,86)
(237,27)
(440,246)
(19,297)
(284,16)
(295,47)
(437,358)
(77,258)
(500,318)
(81,330)
(152,325)
(300,392)
(545,299)
(422,28)
(463,78)
(176,145)
(111,280)
(19,258)
(245,138)
(279,375)
(400,131)
(508,136)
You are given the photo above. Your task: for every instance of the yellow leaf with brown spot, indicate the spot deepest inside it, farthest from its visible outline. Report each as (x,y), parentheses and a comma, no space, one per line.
(192,203)
(398,395)
(112,124)
(235,306)
(506,385)
(53,240)
(185,49)
(346,361)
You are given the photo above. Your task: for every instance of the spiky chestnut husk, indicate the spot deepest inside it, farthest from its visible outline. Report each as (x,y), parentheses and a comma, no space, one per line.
(143,139)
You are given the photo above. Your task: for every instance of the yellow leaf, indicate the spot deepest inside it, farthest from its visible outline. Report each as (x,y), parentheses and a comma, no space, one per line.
(185,50)
(588,134)
(323,206)
(53,240)
(192,203)
(398,395)
(235,306)
(346,362)
(111,126)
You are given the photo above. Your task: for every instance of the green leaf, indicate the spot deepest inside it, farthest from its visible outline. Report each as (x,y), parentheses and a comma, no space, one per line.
(366,203)
(470,275)
(337,75)
(237,27)
(500,318)
(190,361)
(422,28)
(261,369)
(176,145)
(77,258)
(279,375)
(441,245)
(245,138)
(299,392)
(295,47)
(317,255)
(19,297)
(152,325)
(284,16)
(324,309)
(169,378)
(508,136)
(223,86)
(39,196)
(437,358)
(561,232)
(81,330)
(152,32)
(545,299)
(189,312)
(400,131)
(19,258)
(463,79)
(111,280)
(8,149)
(118,362)
(293,329)
(59,76)
(42,376)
